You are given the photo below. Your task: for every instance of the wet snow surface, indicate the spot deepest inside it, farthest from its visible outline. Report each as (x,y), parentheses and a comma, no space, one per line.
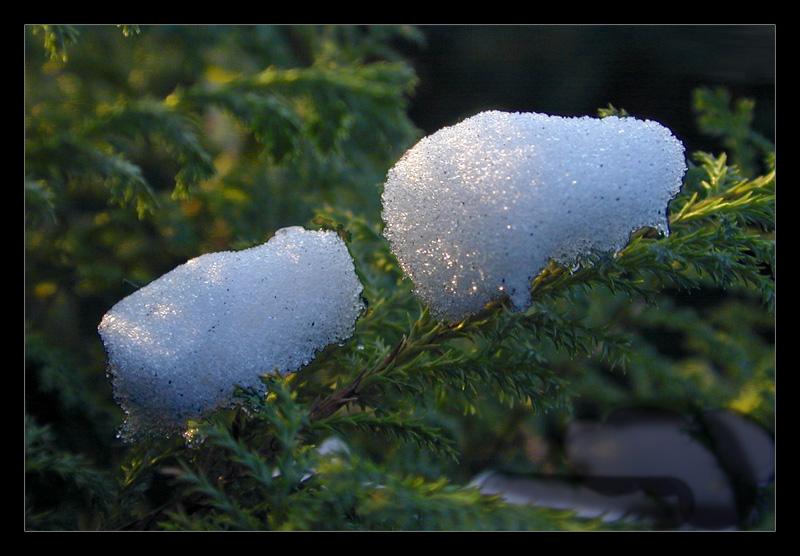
(178,347)
(476,210)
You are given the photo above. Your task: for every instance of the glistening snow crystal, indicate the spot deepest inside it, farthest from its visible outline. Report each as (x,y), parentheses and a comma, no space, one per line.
(178,347)
(476,210)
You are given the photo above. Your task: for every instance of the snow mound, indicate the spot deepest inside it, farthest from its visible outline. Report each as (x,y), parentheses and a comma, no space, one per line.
(476,210)
(178,347)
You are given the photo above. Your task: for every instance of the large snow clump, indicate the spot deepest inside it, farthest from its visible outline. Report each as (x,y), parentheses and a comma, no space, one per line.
(178,347)
(476,210)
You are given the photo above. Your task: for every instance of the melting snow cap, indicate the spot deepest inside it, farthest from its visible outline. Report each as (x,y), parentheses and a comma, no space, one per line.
(476,210)
(178,347)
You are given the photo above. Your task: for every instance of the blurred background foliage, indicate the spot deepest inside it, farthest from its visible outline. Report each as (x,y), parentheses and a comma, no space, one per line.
(149,145)
(146,148)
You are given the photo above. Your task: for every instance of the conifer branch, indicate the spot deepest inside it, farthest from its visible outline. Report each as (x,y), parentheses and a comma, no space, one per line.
(333,123)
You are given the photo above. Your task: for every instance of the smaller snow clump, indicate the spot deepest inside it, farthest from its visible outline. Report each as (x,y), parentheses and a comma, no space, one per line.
(475,211)
(178,347)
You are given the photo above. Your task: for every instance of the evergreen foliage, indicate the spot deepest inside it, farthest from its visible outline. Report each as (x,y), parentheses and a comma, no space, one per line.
(146,146)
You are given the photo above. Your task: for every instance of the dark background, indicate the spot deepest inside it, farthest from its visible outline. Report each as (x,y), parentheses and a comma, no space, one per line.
(573,70)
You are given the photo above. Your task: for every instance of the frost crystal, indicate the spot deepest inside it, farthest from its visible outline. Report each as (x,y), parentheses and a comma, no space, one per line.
(475,211)
(178,347)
